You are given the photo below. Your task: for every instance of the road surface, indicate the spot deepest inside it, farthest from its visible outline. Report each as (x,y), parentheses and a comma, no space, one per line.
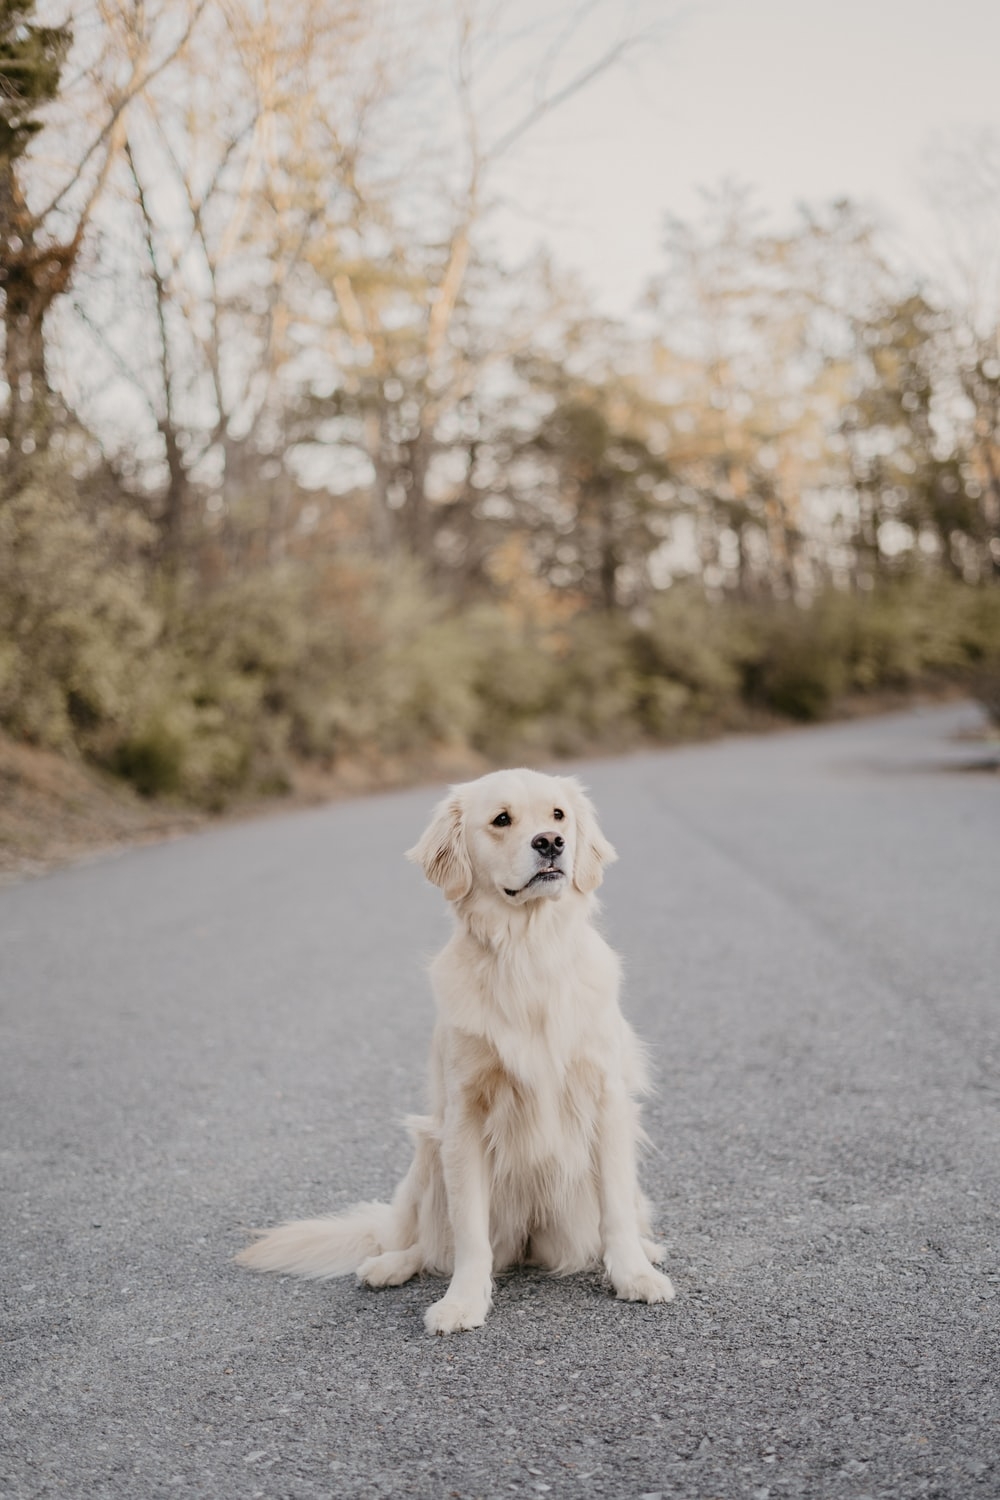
(225,1030)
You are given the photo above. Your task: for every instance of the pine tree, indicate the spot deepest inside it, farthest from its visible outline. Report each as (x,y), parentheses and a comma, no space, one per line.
(31,274)
(31,59)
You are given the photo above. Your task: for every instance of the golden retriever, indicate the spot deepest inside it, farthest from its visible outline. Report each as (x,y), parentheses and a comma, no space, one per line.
(528,1154)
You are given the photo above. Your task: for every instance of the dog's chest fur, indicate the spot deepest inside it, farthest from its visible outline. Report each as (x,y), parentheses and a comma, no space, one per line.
(542,1118)
(529,1042)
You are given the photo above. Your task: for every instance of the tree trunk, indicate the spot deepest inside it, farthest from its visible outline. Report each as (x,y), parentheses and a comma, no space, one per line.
(30,279)
(174,501)
(418,521)
(24,348)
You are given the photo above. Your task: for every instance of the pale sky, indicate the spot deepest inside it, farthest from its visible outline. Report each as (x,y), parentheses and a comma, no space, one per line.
(807,100)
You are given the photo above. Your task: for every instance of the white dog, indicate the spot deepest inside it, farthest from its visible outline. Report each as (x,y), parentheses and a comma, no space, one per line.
(529,1152)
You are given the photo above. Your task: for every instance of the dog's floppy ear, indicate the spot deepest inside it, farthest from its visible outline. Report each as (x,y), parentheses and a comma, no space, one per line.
(441,850)
(593,851)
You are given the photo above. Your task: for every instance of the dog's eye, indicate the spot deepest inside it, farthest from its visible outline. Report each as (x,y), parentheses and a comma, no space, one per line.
(502,820)
(558,814)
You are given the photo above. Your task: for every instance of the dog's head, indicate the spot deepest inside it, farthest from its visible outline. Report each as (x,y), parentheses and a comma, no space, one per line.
(516,835)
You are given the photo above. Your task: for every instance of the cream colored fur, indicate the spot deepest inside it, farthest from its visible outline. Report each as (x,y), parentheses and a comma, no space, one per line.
(528,1153)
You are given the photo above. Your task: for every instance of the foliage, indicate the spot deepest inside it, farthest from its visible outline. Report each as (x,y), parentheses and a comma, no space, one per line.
(692,657)
(31,60)
(314,477)
(225,692)
(76,623)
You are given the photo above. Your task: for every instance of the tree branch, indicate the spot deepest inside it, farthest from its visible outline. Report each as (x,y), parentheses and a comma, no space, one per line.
(139,81)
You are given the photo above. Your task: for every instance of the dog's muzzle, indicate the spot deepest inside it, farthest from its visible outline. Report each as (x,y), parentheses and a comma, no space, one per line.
(549,847)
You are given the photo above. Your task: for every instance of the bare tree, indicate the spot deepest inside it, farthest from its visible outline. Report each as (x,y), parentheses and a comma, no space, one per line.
(219,193)
(964,189)
(409,348)
(48,197)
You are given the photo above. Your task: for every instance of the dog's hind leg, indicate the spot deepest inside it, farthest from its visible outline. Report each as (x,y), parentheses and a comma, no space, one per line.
(402,1254)
(391,1268)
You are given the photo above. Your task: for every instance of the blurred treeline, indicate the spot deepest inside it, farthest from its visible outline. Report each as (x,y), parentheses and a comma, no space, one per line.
(295,467)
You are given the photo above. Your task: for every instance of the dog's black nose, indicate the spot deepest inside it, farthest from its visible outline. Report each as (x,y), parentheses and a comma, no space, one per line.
(548,844)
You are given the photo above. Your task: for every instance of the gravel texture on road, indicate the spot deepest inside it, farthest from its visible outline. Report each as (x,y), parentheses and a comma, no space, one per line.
(226,1030)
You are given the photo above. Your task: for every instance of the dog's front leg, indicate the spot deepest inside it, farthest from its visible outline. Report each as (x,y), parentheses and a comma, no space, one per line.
(466,1178)
(625,1258)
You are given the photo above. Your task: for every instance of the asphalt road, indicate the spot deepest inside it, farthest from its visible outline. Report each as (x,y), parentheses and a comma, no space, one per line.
(225,1030)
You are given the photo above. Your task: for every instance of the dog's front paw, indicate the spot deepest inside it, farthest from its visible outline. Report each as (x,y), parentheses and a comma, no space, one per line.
(632,1276)
(456,1312)
(644,1285)
(654,1252)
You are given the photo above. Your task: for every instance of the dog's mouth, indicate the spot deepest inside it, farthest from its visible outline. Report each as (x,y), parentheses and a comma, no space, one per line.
(540,877)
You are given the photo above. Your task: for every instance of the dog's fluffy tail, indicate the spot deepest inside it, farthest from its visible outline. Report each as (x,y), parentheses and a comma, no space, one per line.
(322,1248)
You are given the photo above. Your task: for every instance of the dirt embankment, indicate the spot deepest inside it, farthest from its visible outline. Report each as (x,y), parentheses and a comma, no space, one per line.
(56,811)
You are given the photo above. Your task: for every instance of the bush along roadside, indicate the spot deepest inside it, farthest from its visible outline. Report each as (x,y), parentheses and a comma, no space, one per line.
(223,694)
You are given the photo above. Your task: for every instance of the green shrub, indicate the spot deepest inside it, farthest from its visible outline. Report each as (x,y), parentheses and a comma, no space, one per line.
(979,632)
(222,691)
(899,635)
(689,659)
(592,703)
(417,685)
(798,667)
(152,759)
(77,627)
(516,683)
